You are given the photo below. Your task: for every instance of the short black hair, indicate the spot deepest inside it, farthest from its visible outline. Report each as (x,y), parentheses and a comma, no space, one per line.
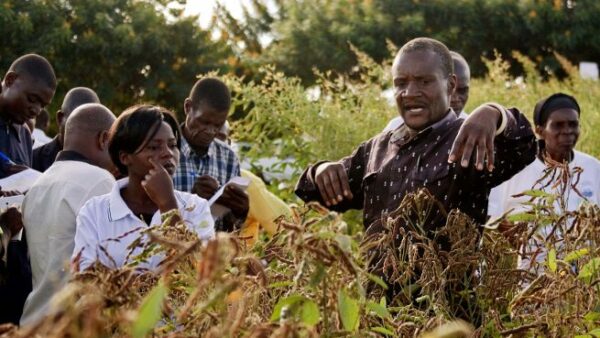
(36,67)
(428,44)
(211,91)
(136,126)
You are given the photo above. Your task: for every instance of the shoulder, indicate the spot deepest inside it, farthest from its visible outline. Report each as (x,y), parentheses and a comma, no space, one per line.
(586,160)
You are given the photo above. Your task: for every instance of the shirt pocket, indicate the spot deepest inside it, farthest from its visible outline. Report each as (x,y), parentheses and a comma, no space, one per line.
(368,181)
(428,174)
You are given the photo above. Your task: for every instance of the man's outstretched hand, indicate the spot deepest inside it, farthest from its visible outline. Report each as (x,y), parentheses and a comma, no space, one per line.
(476,135)
(332,181)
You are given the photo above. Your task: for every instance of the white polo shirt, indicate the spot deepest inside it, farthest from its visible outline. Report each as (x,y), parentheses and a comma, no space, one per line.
(49,211)
(106,218)
(501,199)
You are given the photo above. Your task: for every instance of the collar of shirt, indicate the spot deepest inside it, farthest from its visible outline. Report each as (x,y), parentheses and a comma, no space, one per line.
(71,155)
(402,135)
(118,209)
(187,150)
(16,128)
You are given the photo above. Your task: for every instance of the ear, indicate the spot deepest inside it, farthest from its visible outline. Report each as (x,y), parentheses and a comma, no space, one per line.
(10,78)
(539,130)
(451,84)
(103,140)
(187,106)
(125,158)
(59,117)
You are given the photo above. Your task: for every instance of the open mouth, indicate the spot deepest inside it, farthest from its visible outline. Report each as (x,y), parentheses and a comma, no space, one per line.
(169,167)
(414,109)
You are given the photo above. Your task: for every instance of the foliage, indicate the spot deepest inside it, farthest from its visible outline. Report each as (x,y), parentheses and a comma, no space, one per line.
(316,34)
(126,50)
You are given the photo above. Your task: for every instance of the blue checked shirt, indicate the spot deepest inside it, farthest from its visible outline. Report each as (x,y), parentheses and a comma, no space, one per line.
(220,162)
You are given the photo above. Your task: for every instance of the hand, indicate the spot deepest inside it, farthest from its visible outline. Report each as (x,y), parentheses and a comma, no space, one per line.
(13,219)
(159,187)
(12,169)
(236,199)
(332,182)
(476,134)
(205,186)
(8,193)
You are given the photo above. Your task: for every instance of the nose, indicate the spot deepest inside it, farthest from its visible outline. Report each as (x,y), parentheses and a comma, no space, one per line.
(411,89)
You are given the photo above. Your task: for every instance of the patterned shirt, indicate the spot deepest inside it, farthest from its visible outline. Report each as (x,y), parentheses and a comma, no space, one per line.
(219,162)
(386,168)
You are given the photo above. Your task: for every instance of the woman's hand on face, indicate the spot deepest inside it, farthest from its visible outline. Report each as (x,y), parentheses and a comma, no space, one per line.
(159,187)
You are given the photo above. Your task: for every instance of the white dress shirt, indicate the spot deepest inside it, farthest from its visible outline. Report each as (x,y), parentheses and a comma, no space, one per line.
(49,211)
(105,218)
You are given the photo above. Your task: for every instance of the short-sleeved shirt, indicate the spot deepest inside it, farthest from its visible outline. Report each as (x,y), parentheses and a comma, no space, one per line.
(107,217)
(219,162)
(49,211)
(16,143)
(44,156)
(383,170)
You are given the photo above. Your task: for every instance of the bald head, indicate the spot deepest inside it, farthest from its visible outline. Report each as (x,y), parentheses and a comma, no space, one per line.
(463,79)
(76,97)
(90,118)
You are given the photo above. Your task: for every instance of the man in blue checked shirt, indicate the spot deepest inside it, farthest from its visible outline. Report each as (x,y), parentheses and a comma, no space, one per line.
(207,163)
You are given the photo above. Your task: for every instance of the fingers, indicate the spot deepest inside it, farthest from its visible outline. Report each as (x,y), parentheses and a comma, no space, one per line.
(333,185)
(480,155)
(345,183)
(468,147)
(457,147)
(326,190)
(490,155)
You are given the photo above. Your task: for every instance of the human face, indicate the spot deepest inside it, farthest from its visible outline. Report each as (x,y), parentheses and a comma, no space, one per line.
(202,124)
(421,89)
(162,148)
(560,134)
(24,97)
(461,93)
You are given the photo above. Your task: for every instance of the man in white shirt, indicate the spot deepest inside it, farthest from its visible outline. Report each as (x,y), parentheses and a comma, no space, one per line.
(459,97)
(557,125)
(52,204)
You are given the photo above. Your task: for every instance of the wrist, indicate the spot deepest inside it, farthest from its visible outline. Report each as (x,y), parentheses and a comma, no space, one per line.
(168,205)
(502,119)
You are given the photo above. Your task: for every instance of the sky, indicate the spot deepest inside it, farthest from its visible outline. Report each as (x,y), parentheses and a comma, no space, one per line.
(204,8)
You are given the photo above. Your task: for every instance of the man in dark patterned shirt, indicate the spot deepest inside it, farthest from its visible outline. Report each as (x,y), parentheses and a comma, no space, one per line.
(432,149)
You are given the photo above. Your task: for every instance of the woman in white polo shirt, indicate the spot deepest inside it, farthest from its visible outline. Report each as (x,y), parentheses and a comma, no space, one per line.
(556,121)
(144,145)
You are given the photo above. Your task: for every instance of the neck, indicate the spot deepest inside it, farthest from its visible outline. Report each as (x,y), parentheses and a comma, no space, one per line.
(136,197)
(200,150)
(558,157)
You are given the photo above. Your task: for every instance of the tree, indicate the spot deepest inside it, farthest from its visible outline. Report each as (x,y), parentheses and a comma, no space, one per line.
(128,51)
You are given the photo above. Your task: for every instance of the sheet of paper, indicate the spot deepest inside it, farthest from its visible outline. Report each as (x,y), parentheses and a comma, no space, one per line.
(20,181)
(238,181)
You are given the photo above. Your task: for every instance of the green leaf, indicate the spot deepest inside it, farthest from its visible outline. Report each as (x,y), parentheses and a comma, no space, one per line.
(552,260)
(595,332)
(521,217)
(348,309)
(584,336)
(380,310)
(592,316)
(149,312)
(310,313)
(344,241)
(317,276)
(383,330)
(590,269)
(277,285)
(535,193)
(377,280)
(576,254)
(286,302)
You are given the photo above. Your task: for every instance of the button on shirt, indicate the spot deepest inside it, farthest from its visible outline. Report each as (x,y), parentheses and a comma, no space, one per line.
(383,170)
(219,162)
(16,143)
(105,218)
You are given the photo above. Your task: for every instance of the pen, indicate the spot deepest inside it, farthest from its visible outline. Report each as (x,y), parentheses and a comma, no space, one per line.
(5,159)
